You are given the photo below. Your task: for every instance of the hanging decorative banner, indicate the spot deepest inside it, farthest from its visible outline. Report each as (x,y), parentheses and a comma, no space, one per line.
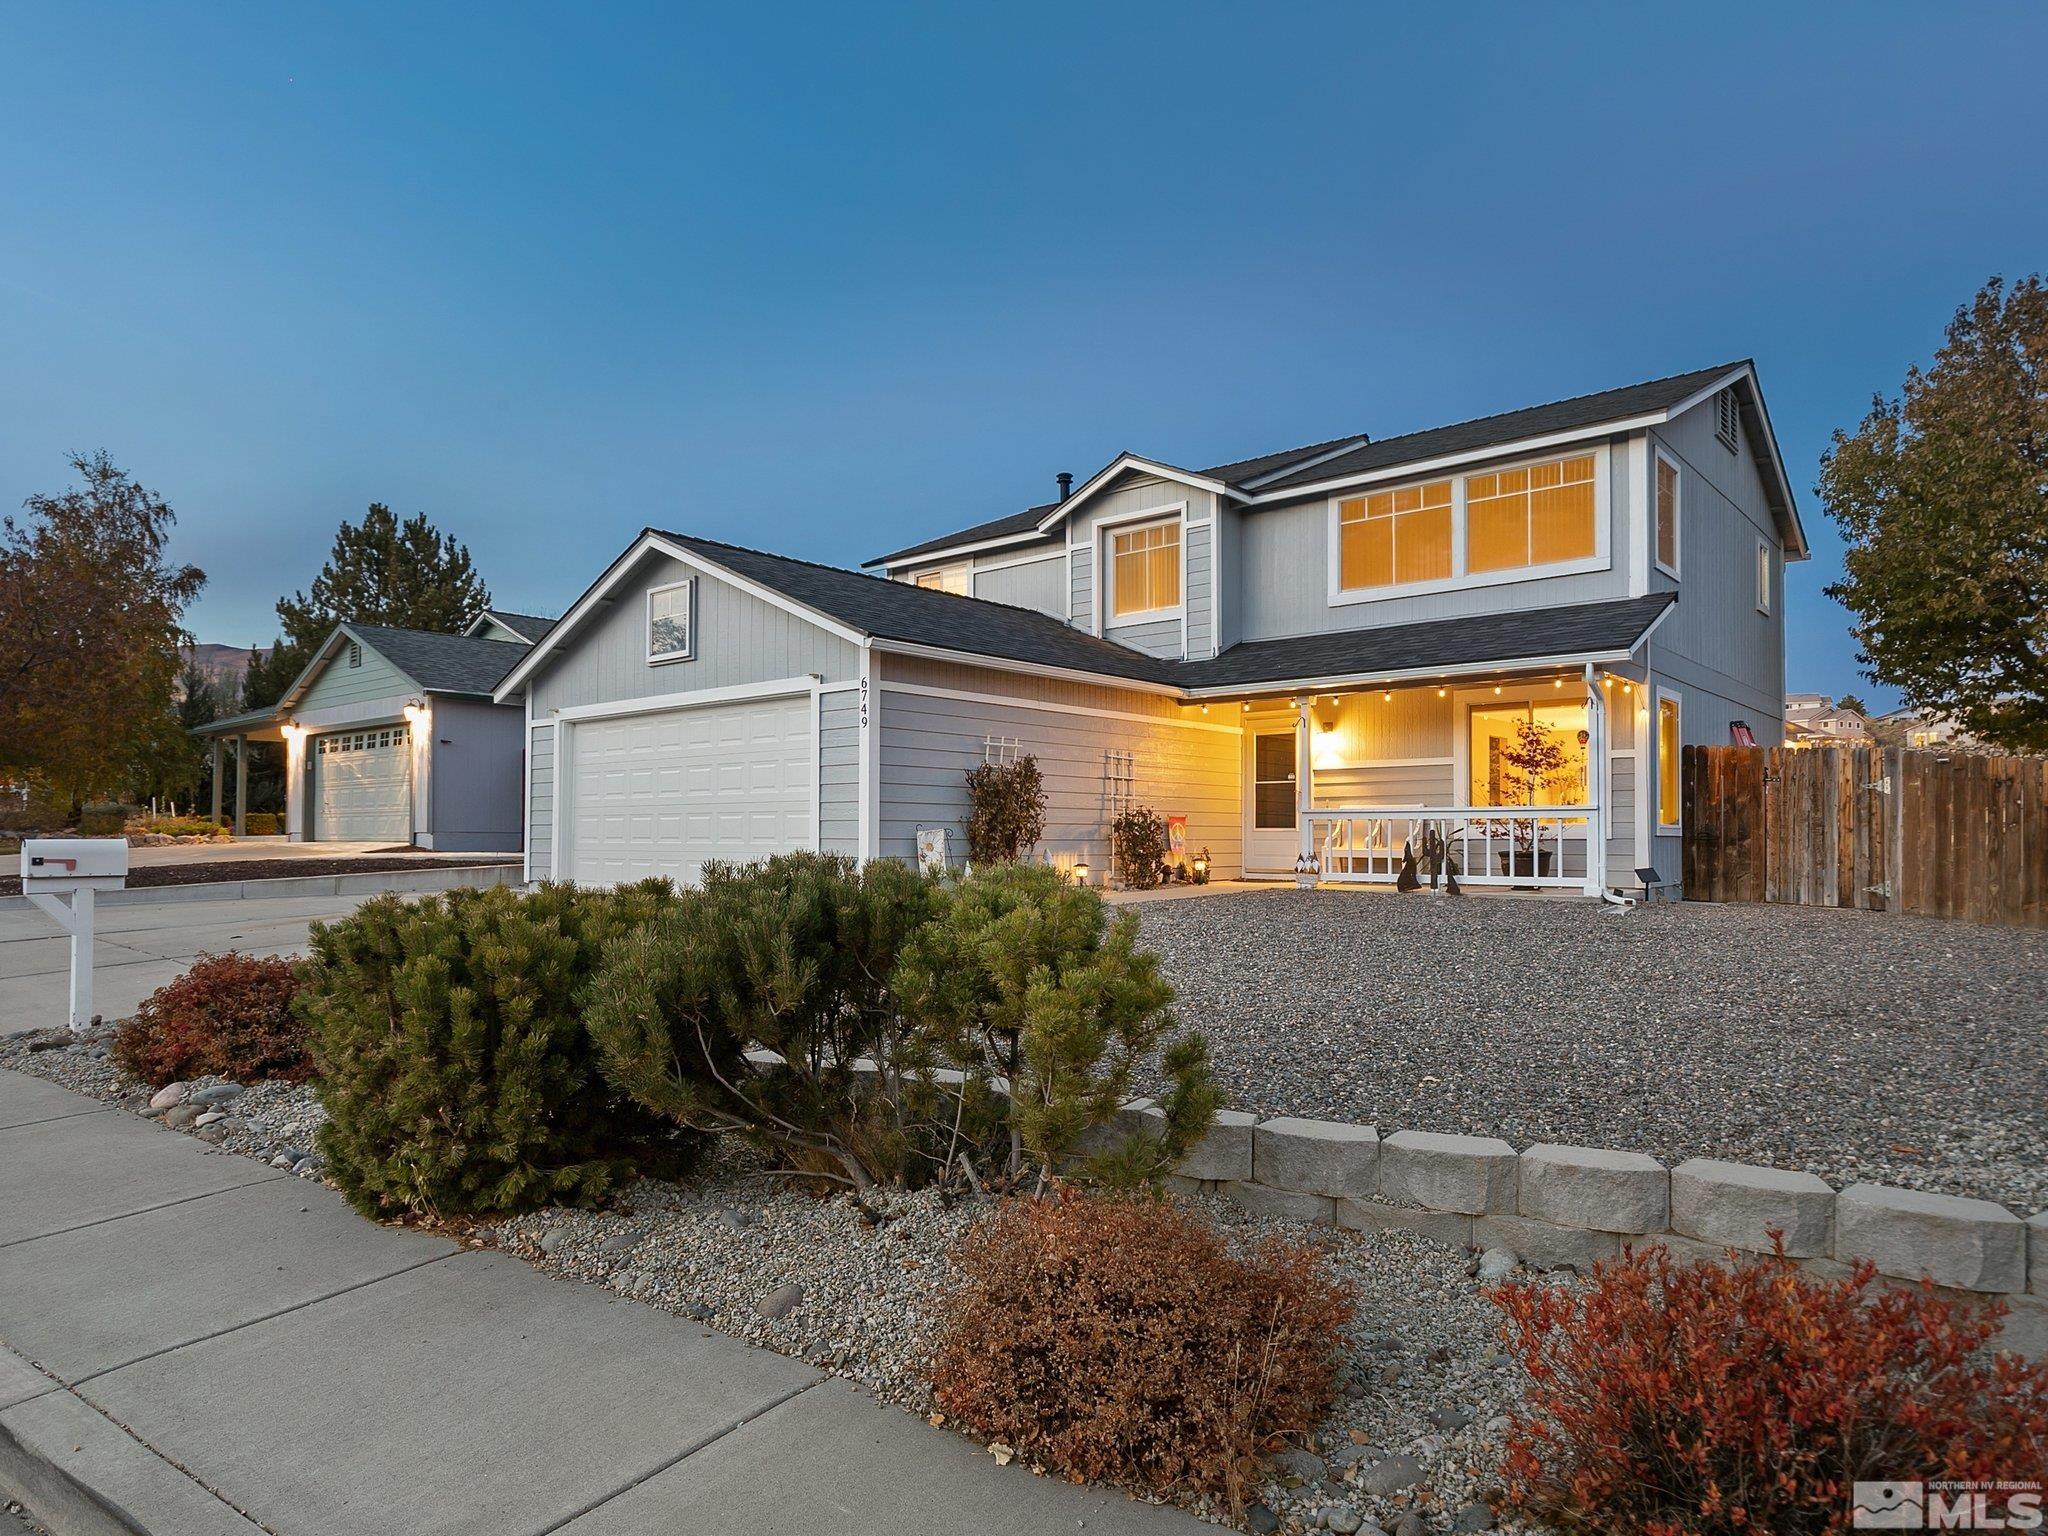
(1176,837)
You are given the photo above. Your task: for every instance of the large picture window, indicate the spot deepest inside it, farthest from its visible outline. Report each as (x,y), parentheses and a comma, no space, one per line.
(1144,569)
(1529,754)
(1391,538)
(1539,514)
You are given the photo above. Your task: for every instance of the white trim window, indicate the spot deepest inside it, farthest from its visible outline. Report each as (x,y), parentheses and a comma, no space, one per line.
(1517,522)
(671,621)
(1669,723)
(1144,571)
(1764,572)
(956,579)
(1667,514)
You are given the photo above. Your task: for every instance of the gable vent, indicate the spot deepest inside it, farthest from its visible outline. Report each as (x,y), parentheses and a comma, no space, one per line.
(355,653)
(1727,418)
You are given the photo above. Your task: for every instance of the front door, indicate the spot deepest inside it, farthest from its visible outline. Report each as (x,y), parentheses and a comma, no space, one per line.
(1276,804)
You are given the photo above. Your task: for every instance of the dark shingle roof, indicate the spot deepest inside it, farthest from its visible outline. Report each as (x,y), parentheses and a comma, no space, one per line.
(528,626)
(466,664)
(995,528)
(1507,427)
(1477,640)
(1460,437)
(896,610)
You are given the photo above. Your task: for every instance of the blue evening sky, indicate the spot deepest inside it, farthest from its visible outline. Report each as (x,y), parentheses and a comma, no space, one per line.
(830,279)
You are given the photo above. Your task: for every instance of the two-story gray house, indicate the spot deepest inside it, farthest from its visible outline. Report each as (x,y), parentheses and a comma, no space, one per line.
(1503,630)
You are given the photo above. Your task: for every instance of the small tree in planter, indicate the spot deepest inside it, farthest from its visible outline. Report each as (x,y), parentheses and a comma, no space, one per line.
(1137,839)
(1005,810)
(1535,765)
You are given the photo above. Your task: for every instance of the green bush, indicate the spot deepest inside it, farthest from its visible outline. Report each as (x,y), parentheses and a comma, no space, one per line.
(454,1062)
(105,818)
(262,824)
(183,826)
(1021,975)
(793,954)
(1137,839)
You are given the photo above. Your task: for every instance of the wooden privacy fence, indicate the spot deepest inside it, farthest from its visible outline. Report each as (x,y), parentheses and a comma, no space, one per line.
(1884,830)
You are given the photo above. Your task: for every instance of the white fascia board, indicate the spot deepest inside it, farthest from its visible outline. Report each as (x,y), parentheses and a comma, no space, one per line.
(1109,472)
(1028,668)
(697,698)
(1368,680)
(601,589)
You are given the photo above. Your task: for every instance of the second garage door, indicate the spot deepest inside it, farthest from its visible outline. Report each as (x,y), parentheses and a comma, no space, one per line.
(362,784)
(659,794)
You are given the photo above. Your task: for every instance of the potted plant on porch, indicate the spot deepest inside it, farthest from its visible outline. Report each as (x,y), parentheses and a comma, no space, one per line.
(1533,764)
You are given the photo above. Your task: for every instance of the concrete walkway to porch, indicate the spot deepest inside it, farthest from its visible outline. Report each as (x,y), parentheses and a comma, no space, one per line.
(194,1343)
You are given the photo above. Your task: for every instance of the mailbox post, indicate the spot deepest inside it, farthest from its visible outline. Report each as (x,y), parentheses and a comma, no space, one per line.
(54,868)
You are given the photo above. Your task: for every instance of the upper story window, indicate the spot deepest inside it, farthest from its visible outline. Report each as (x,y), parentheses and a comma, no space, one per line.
(1728,420)
(1667,515)
(1470,530)
(1669,756)
(1394,537)
(1540,514)
(957,579)
(670,621)
(1144,566)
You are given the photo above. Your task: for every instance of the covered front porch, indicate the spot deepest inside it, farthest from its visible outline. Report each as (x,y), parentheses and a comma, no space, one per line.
(1522,779)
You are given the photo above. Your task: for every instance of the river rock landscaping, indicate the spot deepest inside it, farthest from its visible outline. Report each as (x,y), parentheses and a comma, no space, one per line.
(1854,1045)
(1410,1446)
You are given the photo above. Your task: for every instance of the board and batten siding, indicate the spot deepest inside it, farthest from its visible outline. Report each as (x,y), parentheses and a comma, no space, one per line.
(737,639)
(540,805)
(1281,578)
(1181,764)
(1201,591)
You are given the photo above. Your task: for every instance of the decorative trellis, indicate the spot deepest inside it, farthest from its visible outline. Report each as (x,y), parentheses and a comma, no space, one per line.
(1001,751)
(1120,780)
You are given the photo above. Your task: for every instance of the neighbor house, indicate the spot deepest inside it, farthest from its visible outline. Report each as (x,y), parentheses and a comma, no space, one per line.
(393,736)
(1503,630)
(1815,720)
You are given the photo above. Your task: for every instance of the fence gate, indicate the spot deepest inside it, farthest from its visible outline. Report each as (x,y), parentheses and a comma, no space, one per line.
(1882,830)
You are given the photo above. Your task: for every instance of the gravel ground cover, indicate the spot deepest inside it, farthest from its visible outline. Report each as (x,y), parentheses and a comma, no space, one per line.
(1410,1447)
(1905,1050)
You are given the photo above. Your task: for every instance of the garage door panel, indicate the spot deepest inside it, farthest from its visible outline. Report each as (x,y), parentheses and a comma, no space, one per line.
(362,785)
(661,794)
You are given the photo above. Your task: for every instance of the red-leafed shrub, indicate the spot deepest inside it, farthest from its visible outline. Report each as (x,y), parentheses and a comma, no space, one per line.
(1121,1339)
(228,1016)
(1669,1399)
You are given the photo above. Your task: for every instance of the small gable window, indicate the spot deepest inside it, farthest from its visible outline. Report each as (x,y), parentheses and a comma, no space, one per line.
(1728,420)
(670,621)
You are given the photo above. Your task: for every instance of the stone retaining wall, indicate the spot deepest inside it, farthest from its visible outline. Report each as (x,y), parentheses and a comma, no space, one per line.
(1557,1205)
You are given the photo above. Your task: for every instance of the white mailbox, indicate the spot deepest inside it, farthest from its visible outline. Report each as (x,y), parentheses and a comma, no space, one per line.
(74,864)
(60,875)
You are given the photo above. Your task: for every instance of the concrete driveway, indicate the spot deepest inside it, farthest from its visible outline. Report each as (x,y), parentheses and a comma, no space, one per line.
(140,948)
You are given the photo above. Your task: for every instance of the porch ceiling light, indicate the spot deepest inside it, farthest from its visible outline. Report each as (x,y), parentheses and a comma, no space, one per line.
(1387,697)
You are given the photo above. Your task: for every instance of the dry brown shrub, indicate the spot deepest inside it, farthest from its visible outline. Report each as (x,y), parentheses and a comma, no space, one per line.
(1121,1339)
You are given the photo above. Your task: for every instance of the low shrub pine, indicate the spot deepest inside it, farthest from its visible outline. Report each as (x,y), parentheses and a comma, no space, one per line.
(455,1065)
(1668,1399)
(229,1015)
(1119,1338)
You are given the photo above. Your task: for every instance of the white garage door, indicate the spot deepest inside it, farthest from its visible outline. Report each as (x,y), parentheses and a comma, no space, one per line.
(659,794)
(362,786)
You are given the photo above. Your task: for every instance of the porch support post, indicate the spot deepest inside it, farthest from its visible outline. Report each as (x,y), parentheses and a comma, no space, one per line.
(1597,774)
(241,785)
(216,781)
(1304,778)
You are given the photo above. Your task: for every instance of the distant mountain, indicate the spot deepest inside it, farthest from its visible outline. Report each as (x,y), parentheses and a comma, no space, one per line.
(225,664)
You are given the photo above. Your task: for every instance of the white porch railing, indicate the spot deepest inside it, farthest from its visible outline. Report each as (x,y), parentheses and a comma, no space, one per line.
(1546,845)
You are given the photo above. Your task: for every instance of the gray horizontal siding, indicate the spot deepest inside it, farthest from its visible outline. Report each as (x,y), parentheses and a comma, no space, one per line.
(929,743)
(1201,592)
(540,824)
(1081,590)
(1386,784)
(1041,584)
(739,639)
(339,683)
(839,772)
(1159,637)
(1621,822)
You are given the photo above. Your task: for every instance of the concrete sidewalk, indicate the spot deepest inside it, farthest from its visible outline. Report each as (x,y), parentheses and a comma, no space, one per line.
(197,1344)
